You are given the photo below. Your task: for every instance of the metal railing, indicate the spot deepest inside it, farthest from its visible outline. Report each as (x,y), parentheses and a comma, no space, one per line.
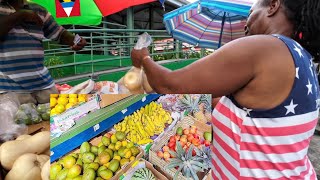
(112,45)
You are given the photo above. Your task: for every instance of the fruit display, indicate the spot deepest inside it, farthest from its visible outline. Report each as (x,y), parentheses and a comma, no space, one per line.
(172,130)
(185,137)
(101,161)
(143,174)
(25,157)
(59,103)
(169,102)
(199,106)
(63,87)
(145,123)
(31,114)
(191,161)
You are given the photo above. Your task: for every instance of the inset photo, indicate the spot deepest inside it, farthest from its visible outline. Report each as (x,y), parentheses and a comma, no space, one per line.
(131,136)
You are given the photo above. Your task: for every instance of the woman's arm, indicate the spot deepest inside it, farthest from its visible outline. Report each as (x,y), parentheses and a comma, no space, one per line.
(223,72)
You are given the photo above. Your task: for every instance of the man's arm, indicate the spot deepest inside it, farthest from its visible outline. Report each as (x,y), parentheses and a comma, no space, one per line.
(56,32)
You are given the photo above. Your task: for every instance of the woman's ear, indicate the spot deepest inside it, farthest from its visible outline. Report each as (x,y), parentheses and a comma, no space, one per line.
(273,7)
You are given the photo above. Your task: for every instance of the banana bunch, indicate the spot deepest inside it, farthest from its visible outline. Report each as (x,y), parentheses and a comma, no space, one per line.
(145,123)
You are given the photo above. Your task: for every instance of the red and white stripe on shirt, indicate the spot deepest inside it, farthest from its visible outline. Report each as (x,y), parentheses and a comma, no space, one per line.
(248,148)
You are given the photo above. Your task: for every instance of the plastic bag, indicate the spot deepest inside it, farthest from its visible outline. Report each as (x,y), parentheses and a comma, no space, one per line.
(82,88)
(134,88)
(27,114)
(44,111)
(106,87)
(9,130)
(144,40)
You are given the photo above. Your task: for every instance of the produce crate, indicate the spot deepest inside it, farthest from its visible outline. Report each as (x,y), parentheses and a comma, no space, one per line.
(141,164)
(95,141)
(160,163)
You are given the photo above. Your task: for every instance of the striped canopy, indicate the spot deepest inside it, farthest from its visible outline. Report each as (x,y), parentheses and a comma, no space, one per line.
(208,23)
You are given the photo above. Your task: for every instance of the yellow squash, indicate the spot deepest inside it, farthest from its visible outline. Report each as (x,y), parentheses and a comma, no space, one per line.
(12,150)
(27,167)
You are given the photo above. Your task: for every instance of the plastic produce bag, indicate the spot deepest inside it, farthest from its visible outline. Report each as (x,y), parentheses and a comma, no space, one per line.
(106,87)
(44,111)
(144,40)
(131,82)
(9,130)
(82,88)
(27,114)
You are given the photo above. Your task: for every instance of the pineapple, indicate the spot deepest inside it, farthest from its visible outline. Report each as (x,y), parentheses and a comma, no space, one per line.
(187,164)
(191,105)
(206,154)
(206,99)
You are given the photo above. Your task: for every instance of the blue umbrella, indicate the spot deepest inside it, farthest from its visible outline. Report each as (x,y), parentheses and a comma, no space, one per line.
(208,23)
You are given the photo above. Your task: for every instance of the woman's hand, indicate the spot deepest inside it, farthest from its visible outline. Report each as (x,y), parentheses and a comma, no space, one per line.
(137,56)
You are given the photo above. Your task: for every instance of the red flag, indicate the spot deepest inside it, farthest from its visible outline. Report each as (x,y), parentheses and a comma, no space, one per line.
(108,7)
(60,11)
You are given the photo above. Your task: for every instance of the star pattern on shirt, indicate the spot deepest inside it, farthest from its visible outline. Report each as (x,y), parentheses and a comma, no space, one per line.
(298,50)
(247,111)
(309,86)
(297,72)
(290,108)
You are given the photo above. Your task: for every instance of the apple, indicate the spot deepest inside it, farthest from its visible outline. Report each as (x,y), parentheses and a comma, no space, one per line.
(206,143)
(183,136)
(166,155)
(193,130)
(186,131)
(196,142)
(172,139)
(160,154)
(177,137)
(179,131)
(171,144)
(165,148)
(196,136)
(207,136)
(190,137)
(184,140)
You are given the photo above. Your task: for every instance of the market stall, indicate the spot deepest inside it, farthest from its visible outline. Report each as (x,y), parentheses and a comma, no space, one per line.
(24,138)
(133,137)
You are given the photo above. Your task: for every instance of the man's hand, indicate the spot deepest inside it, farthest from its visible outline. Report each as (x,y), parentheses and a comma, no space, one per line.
(138,55)
(30,17)
(80,45)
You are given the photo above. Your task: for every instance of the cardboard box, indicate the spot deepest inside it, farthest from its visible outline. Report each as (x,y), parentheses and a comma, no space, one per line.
(43,126)
(95,141)
(108,99)
(142,164)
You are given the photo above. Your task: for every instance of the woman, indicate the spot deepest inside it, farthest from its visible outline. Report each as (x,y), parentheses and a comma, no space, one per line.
(270,95)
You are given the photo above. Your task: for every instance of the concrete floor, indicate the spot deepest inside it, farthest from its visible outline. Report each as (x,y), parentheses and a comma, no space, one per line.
(314,153)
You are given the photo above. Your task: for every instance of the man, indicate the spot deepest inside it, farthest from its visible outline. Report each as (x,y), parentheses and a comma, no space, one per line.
(23,27)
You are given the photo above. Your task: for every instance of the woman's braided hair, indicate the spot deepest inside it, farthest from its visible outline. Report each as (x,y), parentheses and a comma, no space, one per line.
(305,15)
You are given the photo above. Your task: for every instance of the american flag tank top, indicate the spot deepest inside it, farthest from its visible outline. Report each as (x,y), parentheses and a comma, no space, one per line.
(269,144)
